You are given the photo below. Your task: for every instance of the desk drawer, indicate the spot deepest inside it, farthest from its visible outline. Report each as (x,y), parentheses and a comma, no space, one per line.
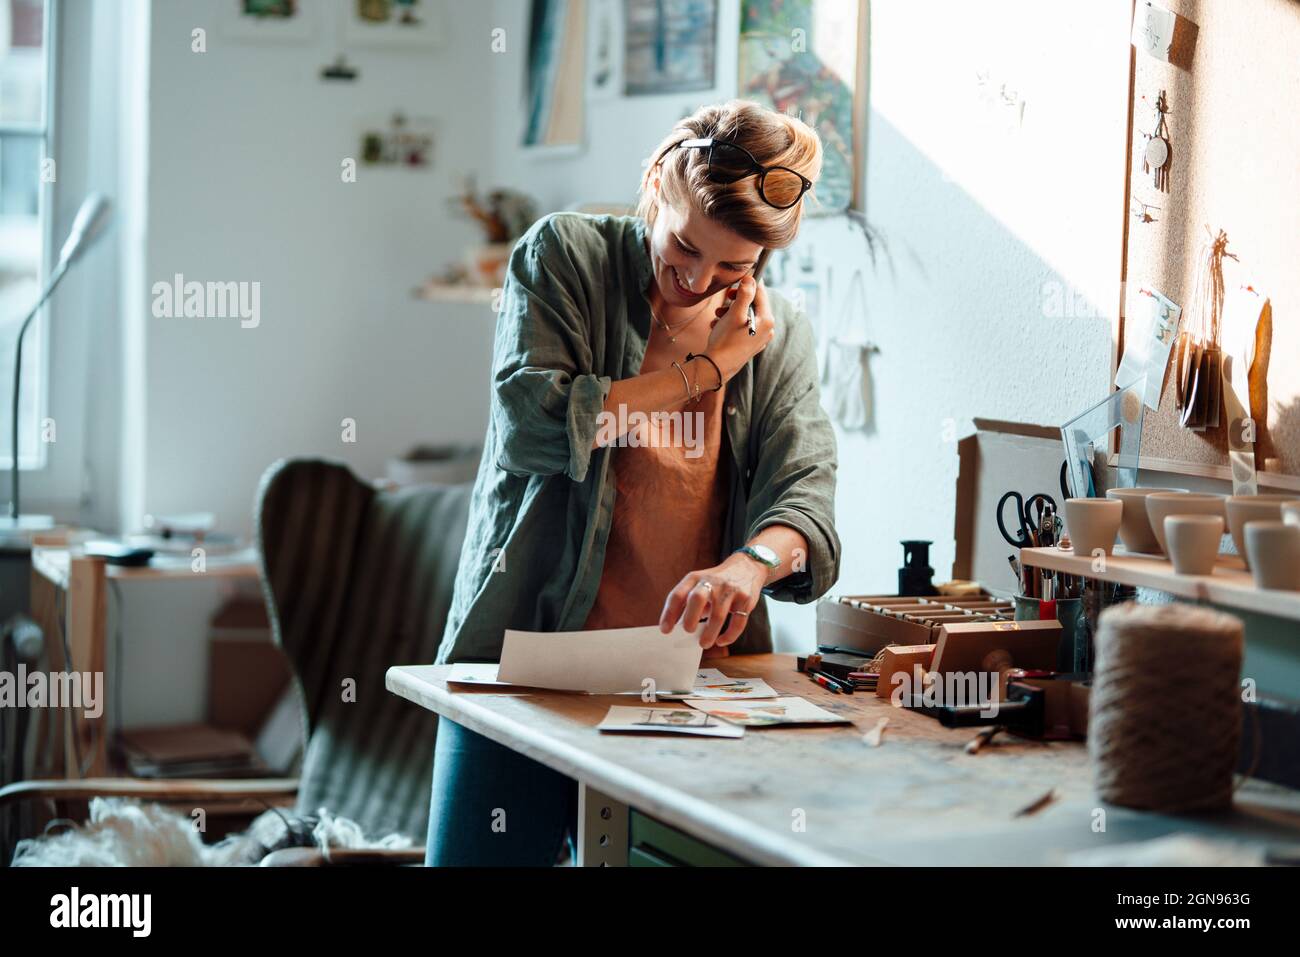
(655,844)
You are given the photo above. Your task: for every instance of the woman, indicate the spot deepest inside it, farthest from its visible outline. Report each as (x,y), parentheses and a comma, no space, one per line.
(649,457)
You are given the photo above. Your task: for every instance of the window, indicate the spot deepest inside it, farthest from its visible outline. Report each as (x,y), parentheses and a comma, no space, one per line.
(24,227)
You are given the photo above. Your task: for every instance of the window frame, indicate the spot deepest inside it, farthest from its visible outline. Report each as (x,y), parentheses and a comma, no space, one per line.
(44,131)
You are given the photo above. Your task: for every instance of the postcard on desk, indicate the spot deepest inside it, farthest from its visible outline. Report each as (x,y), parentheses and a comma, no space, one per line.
(670,720)
(762,714)
(712,684)
(601,661)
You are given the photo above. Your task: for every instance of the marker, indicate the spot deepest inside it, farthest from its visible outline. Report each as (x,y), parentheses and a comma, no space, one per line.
(820,679)
(845,686)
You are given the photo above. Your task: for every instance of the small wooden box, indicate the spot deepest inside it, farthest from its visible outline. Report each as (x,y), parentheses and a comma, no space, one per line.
(902,658)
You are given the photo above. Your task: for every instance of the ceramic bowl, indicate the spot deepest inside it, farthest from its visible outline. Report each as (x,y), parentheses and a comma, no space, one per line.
(1092,524)
(1193,542)
(1160,505)
(1252,508)
(1135,526)
(1274,550)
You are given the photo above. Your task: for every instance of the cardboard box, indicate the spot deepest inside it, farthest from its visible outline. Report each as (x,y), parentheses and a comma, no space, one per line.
(247,671)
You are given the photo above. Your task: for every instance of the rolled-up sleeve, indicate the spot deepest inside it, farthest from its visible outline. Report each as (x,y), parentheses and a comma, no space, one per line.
(547,403)
(794,475)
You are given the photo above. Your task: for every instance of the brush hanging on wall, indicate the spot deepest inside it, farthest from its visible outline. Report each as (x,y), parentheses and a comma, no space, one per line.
(1199,376)
(1157,152)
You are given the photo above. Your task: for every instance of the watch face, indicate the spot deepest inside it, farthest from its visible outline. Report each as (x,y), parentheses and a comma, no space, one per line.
(766,555)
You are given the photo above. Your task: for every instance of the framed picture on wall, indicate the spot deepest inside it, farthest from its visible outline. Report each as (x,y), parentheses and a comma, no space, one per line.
(807,58)
(556,77)
(395,24)
(269,20)
(670,46)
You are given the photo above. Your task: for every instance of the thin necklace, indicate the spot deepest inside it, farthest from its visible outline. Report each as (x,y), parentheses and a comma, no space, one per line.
(673,330)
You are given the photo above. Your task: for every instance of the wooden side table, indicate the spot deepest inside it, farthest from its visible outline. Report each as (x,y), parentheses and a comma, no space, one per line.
(69,602)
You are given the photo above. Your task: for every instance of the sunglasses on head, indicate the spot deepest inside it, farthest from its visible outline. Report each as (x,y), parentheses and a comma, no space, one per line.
(779,186)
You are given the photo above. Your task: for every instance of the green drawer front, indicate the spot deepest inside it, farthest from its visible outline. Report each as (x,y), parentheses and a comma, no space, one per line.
(655,844)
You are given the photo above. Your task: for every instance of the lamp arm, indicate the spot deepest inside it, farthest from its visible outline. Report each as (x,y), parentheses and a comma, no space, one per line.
(54,280)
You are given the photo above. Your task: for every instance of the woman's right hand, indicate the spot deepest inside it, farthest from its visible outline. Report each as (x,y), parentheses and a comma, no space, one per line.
(730,344)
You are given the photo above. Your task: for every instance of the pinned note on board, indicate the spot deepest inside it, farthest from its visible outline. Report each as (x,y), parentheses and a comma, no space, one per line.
(1153,29)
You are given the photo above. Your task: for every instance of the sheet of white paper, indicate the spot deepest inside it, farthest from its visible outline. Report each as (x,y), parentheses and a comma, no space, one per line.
(789,710)
(672,720)
(1153,29)
(602,661)
(1153,321)
(713,685)
(478,674)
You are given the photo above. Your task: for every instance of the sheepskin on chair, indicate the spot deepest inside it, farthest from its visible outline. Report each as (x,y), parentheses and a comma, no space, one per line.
(125,833)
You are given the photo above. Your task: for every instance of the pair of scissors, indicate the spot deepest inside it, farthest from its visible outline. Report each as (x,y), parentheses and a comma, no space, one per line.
(1029,517)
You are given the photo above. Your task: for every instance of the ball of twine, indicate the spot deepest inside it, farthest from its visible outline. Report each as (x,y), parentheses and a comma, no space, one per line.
(1164,714)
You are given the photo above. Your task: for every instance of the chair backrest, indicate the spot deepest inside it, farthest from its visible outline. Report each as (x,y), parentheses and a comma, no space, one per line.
(357,580)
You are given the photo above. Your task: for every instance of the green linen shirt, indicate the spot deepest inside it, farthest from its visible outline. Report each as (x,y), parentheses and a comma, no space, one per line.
(574,318)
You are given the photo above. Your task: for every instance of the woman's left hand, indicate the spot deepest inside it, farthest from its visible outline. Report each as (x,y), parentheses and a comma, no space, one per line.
(736,585)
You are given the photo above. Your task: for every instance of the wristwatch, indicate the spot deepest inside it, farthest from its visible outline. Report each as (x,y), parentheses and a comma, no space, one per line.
(761,553)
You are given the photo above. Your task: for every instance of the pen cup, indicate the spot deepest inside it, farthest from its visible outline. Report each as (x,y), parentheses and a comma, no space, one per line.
(1068,613)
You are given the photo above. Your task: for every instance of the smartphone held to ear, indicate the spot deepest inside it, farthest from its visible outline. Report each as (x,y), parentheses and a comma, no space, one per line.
(758,274)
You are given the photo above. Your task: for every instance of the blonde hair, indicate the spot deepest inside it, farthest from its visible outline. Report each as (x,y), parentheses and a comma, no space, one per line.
(775,140)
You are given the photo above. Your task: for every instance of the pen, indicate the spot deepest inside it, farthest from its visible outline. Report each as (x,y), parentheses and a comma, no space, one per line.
(842,684)
(820,679)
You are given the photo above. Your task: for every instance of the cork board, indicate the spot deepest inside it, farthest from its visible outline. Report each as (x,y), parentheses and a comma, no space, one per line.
(1232,90)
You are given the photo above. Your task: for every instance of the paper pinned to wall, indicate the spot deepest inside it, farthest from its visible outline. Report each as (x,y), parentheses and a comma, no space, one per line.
(603,660)
(1153,29)
(1153,326)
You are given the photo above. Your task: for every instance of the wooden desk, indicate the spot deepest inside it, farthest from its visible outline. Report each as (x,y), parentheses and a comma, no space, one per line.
(917,799)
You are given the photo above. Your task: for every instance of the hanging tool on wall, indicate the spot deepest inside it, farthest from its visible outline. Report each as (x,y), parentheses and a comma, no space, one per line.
(1157,152)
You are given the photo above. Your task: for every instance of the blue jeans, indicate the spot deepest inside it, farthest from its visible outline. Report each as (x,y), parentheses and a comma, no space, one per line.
(493,807)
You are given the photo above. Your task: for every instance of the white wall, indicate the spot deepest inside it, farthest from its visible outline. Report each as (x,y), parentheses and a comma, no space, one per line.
(982,225)
(245,184)
(243,148)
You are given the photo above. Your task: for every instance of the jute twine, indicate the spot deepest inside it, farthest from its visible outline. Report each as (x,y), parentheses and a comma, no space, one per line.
(1164,718)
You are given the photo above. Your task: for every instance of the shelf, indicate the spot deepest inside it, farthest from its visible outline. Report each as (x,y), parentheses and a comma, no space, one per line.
(55,565)
(1231,584)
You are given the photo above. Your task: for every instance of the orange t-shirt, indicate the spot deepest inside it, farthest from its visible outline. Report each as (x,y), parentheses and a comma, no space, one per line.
(670,503)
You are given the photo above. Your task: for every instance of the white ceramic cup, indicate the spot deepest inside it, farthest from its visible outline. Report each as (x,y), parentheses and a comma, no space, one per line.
(1135,526)
(1193,542)
(1252,508)
(1092,524)
(1274,549)
(1160,505)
